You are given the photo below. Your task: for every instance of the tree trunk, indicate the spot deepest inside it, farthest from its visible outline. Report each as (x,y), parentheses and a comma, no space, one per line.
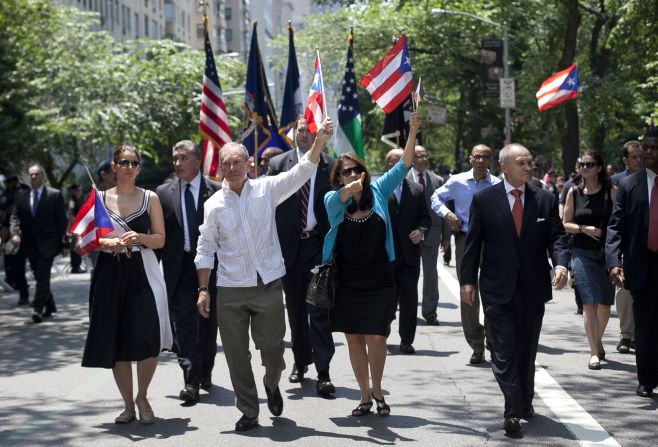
(571,139)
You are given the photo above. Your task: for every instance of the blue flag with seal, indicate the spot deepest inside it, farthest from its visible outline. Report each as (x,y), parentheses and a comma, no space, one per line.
(292,95)
(261,129)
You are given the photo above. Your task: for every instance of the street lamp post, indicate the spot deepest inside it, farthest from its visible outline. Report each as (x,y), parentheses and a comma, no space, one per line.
(437,11)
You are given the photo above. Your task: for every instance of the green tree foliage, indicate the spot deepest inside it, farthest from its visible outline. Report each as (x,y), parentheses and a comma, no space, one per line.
(616,49)
(69,91)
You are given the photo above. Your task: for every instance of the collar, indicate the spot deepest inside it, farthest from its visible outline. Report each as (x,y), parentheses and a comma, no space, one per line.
(487,178)
(509,187)
(196,182)
(651,175)
(42,187)
(416,172)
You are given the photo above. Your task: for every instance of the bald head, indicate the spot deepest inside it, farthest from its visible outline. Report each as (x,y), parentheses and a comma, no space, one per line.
(516,163)
(392,157)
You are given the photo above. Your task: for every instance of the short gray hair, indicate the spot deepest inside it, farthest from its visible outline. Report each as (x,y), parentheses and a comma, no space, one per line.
(505,151)
(234,145)
(188,146)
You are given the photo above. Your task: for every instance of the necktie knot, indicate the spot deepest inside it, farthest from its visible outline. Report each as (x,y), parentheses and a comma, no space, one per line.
(516,193)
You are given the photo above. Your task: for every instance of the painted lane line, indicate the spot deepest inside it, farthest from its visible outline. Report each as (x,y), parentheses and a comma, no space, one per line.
(570,413)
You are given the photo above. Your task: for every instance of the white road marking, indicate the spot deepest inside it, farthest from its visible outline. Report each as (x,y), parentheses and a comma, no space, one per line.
(579,422)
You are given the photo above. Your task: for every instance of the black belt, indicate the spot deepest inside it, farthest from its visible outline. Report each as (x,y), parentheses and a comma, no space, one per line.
(306,234)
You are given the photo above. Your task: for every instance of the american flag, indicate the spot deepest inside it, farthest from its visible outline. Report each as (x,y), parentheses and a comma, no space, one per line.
(213,123)
(560,87)
(390,81)
(314,111)
(91,223)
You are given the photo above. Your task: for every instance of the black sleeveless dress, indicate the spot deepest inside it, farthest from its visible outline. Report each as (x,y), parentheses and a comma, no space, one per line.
(365,285)
(128,318)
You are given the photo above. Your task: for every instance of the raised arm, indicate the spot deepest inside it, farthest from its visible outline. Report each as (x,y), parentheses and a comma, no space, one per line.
(409,148)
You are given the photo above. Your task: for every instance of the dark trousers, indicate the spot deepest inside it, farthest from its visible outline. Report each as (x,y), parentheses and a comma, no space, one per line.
(76,261)
(515,328)
(406,296)
(447,254)
(43,297)
(310,332)
(645,311)
(15,273)
(195,337)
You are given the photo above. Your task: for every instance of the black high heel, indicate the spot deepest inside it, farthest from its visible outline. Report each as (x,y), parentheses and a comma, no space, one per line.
(362,409)
(382,407)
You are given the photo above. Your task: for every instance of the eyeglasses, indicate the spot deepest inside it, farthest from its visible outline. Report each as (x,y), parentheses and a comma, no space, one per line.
(650,147)
(587,164)
(349,171)
(481,157)
(128,163)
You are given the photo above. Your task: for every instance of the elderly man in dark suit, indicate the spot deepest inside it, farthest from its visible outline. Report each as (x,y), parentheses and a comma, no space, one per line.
(38,223)
(438,235)
(632,258)
(302,224)
(512,226)
(195,338)
(410,221)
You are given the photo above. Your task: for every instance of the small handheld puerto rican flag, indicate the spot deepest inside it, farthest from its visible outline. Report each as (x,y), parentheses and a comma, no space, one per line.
(314,112)
(418,94)
(91,223)
(560,87)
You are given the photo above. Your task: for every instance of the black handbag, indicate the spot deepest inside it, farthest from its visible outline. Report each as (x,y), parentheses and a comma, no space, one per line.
(322,287)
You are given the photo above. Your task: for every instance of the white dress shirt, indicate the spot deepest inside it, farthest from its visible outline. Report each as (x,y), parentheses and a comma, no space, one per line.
(241,229)
(651,178)
(510,197)
(41,188)
(195,187)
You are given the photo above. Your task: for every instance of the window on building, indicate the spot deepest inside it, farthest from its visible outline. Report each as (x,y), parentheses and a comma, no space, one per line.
(229,34)
(136,26)
(146,25)
(154,29)
(182,19)
(228,13)
(128,19)
(199,30)
(169,12)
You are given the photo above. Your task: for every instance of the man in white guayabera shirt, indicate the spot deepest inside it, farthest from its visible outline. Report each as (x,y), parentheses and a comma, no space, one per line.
(239,227)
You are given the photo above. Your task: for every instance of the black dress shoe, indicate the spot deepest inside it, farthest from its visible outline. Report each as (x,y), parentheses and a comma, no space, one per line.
(476,358)
(189,394)
(205,384)
(37,317)
(624,346)
(245,423)
(644,391)
(407,348)
(23,302)
(528,412)
(511,425)
(323,386)
(432,322)
(297,375)
(274,400)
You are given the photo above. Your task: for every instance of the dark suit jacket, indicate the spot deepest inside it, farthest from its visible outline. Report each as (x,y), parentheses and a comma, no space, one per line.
(40,235)
(437,231)
(407,216)
(171,253)
(628,230)
(508,260)
(288,213)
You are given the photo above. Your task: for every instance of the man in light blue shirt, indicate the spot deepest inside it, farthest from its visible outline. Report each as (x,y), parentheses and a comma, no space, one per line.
(460,189)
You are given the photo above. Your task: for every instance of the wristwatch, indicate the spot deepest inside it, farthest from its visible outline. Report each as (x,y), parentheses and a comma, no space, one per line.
(202,289)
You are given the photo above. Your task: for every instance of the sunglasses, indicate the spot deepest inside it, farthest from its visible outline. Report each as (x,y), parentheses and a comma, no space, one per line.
(353,170)
(481,157)
(128,163)
(587,164)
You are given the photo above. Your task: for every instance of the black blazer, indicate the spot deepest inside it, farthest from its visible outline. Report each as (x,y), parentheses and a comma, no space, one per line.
(289,214)
(508,260)
(40,235)
(408,215)
(628,231)
(437,231)
(171,253)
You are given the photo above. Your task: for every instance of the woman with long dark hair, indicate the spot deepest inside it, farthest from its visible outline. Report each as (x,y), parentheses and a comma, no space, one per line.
(587,211)
(361,241)
(129,317)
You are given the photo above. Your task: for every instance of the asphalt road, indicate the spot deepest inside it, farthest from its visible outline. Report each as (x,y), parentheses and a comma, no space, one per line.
(436,398)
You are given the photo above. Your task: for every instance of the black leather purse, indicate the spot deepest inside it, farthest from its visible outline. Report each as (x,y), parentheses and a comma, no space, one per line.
(322,287)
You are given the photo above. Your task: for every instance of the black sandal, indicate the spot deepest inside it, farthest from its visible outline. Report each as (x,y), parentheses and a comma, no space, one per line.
(362,409)
(382,407)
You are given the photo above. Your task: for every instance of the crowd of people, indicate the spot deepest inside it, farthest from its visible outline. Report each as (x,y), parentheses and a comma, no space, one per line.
(189,260)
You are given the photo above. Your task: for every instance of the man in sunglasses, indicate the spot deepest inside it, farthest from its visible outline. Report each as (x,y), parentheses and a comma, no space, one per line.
(460,189)
(302,224)
(38,223)
(632,257)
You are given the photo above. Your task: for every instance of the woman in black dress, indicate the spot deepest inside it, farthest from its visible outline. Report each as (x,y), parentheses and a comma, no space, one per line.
(361,241)
(129,317)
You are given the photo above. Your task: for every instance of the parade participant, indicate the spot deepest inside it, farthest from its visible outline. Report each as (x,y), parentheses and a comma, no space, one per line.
(512,226)
(361,240)
(195,338)
(38,223)
(14,273)
(239,227)
(74,204)
(632,257)
(302,224)
(460,189)
(586,214)
(266,156)
(129,318)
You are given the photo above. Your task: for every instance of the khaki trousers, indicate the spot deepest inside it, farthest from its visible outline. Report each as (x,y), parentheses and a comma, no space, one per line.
(624,305)
(261,308)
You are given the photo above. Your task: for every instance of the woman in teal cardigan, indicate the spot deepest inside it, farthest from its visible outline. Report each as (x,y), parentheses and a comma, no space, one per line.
(361,240)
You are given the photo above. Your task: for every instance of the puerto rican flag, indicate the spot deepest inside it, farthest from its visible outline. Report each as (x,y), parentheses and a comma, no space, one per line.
(560,87)
(314,111)
(390,81)
(91,223)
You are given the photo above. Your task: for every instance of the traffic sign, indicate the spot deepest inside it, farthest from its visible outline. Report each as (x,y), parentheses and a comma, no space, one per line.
(507,95)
